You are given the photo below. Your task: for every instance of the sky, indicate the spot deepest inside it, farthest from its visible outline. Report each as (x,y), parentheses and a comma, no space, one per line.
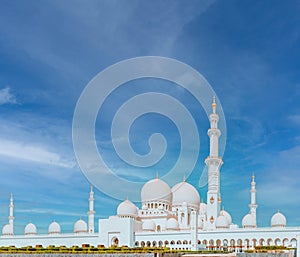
(248,51)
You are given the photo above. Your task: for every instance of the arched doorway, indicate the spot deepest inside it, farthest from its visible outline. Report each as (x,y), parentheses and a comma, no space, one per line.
(115,241)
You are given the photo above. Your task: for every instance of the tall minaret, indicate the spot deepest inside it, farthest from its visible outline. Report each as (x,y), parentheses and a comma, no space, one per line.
(214,163)
(91,213)
(253,204)
(11,212)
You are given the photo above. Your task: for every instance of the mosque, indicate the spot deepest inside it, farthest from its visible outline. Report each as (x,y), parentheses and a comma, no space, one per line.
(169,217)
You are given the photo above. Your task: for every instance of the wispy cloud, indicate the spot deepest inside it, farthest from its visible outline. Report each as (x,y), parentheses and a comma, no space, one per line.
(6,97)
(33,153)
(295,118)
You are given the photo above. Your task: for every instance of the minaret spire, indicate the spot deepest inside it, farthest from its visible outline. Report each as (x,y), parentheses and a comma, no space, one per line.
(214,163)
(11,212)
(91,212)
(253,204)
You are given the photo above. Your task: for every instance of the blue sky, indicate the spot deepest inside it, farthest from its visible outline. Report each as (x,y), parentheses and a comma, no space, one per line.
(49,50)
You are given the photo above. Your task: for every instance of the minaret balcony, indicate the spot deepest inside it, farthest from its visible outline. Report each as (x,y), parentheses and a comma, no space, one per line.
(213,161)
(214,132)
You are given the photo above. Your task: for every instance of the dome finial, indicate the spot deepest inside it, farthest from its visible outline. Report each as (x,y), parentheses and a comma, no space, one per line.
(156,176)
(214,105)
(184,178)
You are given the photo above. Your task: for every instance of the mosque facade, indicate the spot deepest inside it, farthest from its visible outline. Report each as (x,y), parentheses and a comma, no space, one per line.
(169,217)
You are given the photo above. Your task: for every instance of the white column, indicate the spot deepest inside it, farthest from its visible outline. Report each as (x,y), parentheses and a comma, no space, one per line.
(194,231)
(214,163)
(11,212)
(298,245)
(253,204)
(91,213)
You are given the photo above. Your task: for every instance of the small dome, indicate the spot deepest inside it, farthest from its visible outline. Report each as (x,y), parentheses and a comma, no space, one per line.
(222,222)
(127,208)
(185,192)
(80,226)
(248,221)
(30,229)
(7,230)
(227,216)
(278,220)
(54,228)
(202,208)
(156,190)
(172,224)
(149,225)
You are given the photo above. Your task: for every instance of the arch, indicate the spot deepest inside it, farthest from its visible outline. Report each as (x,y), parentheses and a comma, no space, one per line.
(239,243)
(254,241)
(137,243)
(211,244)
(179,242)
(185,242)
(172,242)
(285,242)
(261,242)
(114,241)
(293,242)
(158,228)
(277,241)
(269,241)
(199,242)
(204,242)
(232,242)
(160,243)
(247,243)
(142,244)
(218,244)
(166,242)
(154,243)
(148,243)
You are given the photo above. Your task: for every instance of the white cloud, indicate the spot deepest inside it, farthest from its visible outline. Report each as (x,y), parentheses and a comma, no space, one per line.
(33,153)
(6,97)
(294,118)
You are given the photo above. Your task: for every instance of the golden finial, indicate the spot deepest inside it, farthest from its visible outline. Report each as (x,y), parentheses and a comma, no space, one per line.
(214,105)
(156,175)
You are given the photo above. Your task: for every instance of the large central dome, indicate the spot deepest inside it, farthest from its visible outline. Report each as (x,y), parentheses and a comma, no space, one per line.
(185,192)
(156,190)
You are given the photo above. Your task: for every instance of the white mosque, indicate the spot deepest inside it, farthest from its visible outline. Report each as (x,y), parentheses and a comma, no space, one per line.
(171,217)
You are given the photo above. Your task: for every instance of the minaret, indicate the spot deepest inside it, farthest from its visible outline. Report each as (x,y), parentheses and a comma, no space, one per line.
(253,204)
(214,163)
(11,212)
(91,213)
(194,230)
